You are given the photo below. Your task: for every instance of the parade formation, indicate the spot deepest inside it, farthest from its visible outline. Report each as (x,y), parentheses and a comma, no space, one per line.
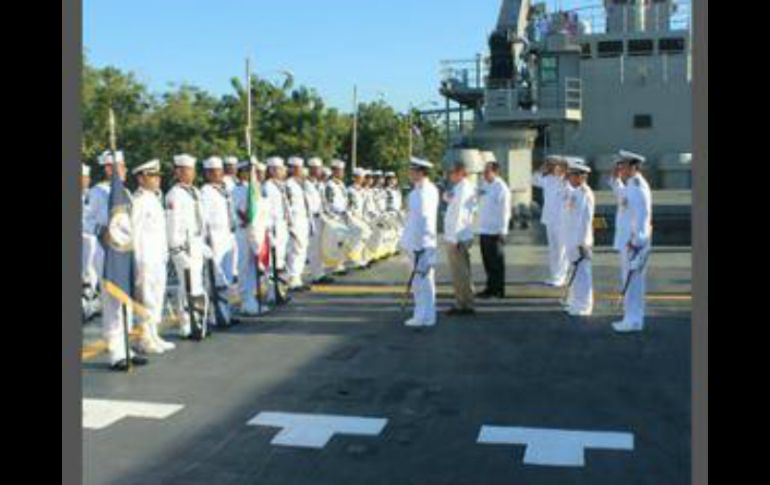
(255,233)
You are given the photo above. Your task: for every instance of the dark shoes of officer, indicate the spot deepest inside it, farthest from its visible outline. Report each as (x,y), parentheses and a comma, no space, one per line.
(122,364)
(324,280)
(487,294)
(460,312)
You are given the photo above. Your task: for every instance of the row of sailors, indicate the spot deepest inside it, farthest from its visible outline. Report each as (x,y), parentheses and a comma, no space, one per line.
(217,248)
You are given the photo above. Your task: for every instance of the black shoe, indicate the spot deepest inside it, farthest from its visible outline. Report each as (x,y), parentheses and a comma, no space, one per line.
(139,360)
(122,364)
(499,294)
(484,295)
(324,280)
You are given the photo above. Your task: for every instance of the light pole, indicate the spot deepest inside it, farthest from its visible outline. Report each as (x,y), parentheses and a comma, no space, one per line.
(249,125)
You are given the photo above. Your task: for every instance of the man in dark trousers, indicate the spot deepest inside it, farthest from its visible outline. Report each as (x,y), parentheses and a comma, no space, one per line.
(494,218)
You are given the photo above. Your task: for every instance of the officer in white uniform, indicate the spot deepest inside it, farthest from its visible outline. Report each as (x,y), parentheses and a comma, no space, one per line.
(279,221)
(633,238)
(579,238)
(313,187)
(335,192)
(185,222)
(551,180)
(219,221)
(112,313)
(461,202)
(357,193)
(300,224)
(419,241)
(494,218)
(150,253)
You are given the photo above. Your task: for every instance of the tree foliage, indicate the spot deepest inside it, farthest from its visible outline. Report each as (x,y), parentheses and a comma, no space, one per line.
(286,120)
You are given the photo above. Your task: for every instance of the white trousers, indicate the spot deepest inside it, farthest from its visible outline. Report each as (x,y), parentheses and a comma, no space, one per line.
(634,301)
(223,248)
(113,330)
(90,253)
(195,265)
(296,259)
(247,273)
(315,251)
(151,289)
(580,298)
(424,289)
(557,254)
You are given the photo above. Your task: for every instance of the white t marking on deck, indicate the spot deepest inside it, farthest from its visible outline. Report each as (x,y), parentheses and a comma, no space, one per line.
(555,447)
(315,430)
(101,413)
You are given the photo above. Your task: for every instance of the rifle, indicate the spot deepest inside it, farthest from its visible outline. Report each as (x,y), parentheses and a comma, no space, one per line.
(408,289)
(216,291)
(198,328)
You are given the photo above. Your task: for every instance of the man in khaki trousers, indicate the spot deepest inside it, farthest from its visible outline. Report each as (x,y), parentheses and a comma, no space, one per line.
(458,237)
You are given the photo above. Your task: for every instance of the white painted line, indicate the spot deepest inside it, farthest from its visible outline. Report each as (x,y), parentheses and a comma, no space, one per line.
(555,447)
(101,413)
(315,430)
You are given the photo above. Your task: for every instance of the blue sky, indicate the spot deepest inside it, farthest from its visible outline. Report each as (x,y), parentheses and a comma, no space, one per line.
(389,48)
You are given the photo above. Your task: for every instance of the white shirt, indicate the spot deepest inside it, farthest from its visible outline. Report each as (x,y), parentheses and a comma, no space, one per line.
(313,196)
(149,224)
(553,196)
(494,208)
(422,213)
(218,212)
(98,213)
(357,200)
(336,197)
(295,195)
(393,198)
(278,215)
(184,218)
(578,214)
(458,220)
(639,210)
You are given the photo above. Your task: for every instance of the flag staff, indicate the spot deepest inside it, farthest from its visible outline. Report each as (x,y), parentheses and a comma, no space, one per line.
(248,107)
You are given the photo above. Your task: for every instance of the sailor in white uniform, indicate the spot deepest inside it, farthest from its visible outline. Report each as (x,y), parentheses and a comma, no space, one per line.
(335,192)
(185,223)
(633,238)
(313,187)
(393,196)
(279,222)
(579,238)
(150,253)
(112,314)
(300,224)
(494,219)
(419,242)
(551,180)
(248,247)
(219,221)
(357,193)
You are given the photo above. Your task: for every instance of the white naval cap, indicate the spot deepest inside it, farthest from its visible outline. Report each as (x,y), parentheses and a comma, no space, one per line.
(275,162)
(85,170)
(327,171)
(231,161)
(577,165)
(390,174)
(630,156)
(419,162)
(555,157)
(296,162)
(244,165)
(153,166)
(377,173)
(488,157)
(315,162)
(261,167)
(106,157)
(338,164)
(359,172)
(184,160)
(213,163)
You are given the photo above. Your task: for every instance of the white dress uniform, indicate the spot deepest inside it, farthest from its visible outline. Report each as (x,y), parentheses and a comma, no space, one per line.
(300,225)
(554,188)
(151,257)
(358,201)
(578,213)
(313,191)
(393,199)
(419,239)
(219,220)
(336,197)
(278,221)
(635,228)
(91,249)
(188,251)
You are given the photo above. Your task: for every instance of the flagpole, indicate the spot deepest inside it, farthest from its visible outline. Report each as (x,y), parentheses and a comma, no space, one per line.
(354,151)
(248,107)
